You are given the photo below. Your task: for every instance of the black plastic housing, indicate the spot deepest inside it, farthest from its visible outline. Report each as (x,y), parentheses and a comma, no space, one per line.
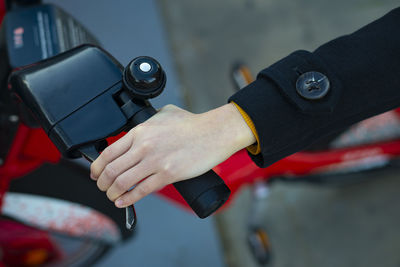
(65,93)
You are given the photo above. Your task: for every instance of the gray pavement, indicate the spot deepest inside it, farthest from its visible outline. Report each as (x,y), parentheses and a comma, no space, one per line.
(309,225)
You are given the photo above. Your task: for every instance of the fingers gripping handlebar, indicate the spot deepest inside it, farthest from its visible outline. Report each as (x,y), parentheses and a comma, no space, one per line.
(84,95)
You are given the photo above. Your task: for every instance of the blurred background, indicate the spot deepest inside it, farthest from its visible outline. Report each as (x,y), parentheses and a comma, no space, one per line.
(198,42)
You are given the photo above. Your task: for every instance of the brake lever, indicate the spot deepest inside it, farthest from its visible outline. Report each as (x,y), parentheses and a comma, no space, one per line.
(90,153)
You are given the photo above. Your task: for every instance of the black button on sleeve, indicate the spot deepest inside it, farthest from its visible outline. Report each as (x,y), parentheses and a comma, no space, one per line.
(293,76)
(312,85)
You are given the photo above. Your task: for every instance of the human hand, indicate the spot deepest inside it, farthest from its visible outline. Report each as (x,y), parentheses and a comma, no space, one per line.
(171,146)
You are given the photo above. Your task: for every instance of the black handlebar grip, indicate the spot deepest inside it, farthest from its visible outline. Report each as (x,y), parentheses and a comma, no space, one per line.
(205,193)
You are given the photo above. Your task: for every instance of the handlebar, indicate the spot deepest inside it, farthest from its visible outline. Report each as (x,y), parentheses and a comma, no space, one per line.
(101,100)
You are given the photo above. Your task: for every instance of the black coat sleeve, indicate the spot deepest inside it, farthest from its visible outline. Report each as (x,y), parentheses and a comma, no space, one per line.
(363,69)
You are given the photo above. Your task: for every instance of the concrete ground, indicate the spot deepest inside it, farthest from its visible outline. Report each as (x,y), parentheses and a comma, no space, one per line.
(308,225)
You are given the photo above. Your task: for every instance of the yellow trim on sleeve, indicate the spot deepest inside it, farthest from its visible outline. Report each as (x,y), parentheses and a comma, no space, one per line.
(254,148)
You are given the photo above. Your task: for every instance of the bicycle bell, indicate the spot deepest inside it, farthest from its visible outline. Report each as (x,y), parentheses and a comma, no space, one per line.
(144,77)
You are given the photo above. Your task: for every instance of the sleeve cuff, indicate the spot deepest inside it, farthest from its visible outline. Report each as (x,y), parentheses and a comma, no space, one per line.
(255,148)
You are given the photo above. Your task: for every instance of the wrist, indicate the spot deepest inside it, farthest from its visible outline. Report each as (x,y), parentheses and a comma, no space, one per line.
(232,130)
(244,135)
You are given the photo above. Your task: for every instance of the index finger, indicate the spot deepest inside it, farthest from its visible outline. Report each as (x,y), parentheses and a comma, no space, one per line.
(109,154)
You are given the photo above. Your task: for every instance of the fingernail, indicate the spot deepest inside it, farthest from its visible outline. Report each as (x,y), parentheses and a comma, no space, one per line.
(119,203)
(92,176)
